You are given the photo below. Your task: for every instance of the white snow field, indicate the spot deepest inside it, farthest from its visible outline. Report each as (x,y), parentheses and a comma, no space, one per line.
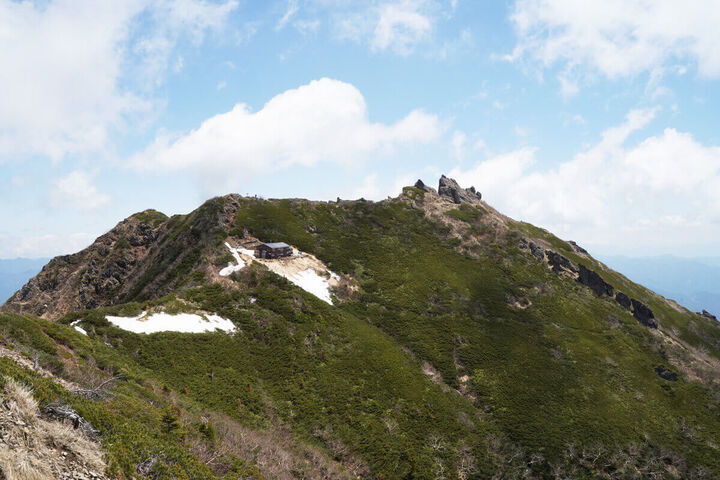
(164,322)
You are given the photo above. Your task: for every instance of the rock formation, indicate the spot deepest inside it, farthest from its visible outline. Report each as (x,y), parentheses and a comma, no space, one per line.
(643,313)
(623,300)
(577,247)
(666,374)
(537,251)
(708,315)
(425,188)
(596,283)
(449,188)
(559,263)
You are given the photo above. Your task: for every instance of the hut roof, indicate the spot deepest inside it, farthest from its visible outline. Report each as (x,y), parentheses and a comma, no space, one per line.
(277,245)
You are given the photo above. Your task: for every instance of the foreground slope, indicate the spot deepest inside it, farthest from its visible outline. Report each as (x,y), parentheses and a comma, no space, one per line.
(459,344)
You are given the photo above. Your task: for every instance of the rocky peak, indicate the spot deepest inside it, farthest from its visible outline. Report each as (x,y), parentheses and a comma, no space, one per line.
(425,188)
(449,188)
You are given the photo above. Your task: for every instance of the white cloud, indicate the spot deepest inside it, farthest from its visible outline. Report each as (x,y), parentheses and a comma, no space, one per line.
(290,11)
(618,38)
(323,121)
(458,142)
(397,26)
(658,195)
(76,191)
(64,61)
(42,246)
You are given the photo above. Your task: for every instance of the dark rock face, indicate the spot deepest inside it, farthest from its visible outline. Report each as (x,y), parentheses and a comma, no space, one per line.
(559,262)
(450,188)
(623,300)
(666,374)
(537,251)
(425,188)
(596,283)
(643,313)
(523,243)
(708,315)
(577,247)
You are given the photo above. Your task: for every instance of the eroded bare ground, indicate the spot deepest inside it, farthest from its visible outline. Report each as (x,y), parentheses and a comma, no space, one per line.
(35,448)
(694,363)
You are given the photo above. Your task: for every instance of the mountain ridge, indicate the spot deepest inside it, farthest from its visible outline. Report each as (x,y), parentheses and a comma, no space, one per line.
(460,343)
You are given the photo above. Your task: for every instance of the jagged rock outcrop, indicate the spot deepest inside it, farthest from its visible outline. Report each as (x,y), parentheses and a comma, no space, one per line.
(593,280)
(666,374)
(144,255)
(623,300)
(449,188)
(708,315)
(425,188)
(537,251)
(560,263)
(643,313)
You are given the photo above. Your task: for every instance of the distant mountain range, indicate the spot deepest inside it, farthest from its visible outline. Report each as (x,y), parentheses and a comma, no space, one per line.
(15,272)
(692,282)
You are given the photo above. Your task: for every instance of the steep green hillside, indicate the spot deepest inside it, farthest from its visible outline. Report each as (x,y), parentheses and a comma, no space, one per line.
(453,349)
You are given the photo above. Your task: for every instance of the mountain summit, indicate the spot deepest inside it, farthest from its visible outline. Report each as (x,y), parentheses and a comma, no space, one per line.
(423,336)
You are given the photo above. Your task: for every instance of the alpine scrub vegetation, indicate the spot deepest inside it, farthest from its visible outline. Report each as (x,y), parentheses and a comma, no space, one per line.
(460,344)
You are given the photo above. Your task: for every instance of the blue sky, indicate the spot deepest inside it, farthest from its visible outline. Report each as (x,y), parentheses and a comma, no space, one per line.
(596,120)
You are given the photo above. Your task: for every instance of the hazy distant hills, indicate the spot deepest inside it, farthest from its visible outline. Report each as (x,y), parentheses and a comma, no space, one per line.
(692,282)
(15,272)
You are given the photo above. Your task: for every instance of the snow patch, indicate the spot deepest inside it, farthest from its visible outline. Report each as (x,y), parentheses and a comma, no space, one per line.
(239,263)
(81,330)
(310,281)
(164,322)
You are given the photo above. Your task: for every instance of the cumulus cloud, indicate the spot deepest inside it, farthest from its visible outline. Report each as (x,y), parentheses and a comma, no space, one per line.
(323,121)
(66,63)
(618,38)
(661,193)
(77,191)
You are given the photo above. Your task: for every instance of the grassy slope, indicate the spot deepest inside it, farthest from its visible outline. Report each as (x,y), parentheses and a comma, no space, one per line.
(572,368)
(561,371)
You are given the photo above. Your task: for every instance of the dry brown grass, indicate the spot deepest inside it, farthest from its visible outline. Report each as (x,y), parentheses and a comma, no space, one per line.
(33,448)
(276,453)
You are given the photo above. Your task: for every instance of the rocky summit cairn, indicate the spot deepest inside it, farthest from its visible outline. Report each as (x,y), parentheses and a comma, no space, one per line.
(450,188)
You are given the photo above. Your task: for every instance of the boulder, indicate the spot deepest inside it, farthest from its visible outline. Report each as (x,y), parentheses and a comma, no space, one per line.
(523,243)
(559,262)
(643,313)
(425,188)
(449,188)
(596,283)
(666,374)
(623,300)
(708,315)
(537,251)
